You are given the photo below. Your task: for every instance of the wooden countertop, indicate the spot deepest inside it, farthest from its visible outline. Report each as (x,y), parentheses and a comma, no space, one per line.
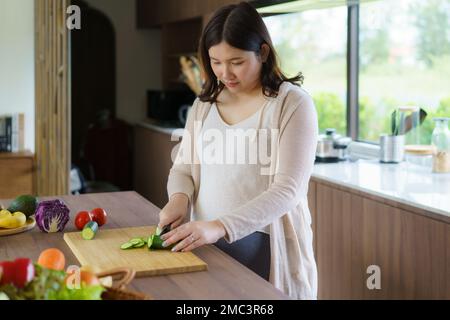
(12,155)
(225,278)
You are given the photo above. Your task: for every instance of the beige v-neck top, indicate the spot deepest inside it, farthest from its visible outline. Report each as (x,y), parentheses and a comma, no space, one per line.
(283,205)
(230,171)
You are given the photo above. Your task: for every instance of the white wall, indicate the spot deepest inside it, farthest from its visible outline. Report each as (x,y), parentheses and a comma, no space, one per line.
(138,56)
(17,62)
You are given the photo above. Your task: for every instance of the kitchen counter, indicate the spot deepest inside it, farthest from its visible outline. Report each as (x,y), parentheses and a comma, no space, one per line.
(408,184)
(224,279)
(412,186)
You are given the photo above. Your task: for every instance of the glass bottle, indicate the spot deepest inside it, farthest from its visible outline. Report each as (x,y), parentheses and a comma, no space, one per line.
(409,124)
(440,139)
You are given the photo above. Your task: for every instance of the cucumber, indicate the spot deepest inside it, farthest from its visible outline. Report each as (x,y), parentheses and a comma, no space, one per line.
(126,245)
(157,243)
(89,230)
(150,242)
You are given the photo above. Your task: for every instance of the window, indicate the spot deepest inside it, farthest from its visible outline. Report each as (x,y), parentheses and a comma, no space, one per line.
(404,60)
(315,43)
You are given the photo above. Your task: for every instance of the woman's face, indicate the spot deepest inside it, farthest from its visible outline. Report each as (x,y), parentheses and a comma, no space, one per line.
(237,69)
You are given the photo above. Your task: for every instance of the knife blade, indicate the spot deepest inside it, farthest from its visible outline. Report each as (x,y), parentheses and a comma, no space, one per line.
(160,232)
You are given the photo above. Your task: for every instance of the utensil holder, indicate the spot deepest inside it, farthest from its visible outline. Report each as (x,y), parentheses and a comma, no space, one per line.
(392,148)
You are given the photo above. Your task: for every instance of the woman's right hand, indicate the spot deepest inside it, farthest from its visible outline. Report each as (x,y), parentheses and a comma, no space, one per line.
(174,211)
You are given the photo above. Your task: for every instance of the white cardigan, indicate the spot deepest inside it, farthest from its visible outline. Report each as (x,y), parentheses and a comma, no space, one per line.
(284,205)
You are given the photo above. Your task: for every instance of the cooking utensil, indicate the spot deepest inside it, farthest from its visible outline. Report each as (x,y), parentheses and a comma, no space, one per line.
(332,147)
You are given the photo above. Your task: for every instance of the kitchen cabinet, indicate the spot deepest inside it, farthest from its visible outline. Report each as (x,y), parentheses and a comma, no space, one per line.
(152,163)
(333,242)
(16,174)
(181,28)
(355,232)
(178,39)
(409,249)
(153,13)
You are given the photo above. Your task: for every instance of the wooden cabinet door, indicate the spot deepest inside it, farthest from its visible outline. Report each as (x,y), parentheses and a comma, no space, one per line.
(409,249)
(354,234)
(152,163)
(152,13)
(16,176)
(333,231)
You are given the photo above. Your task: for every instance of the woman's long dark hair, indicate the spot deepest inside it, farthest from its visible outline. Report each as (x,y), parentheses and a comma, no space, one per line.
(241,26)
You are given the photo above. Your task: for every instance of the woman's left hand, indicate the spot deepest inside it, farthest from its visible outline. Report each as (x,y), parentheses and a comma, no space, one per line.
(194,234)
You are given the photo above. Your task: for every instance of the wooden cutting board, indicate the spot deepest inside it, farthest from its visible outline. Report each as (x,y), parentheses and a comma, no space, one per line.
(103,253)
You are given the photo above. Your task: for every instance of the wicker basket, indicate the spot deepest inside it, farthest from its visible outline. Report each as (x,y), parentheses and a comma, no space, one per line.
(121,278)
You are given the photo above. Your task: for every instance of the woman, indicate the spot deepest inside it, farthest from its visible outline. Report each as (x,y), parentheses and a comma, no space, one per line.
(256,211)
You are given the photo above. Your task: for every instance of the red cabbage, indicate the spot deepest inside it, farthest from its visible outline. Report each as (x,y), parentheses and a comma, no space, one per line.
(52,215)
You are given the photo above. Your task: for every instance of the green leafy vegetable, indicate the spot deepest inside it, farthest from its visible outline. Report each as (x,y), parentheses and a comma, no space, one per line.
(50,285)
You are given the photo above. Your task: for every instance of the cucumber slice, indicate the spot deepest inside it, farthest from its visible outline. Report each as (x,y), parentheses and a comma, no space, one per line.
(89,230)
(126,246)
(136,241)
(139,245)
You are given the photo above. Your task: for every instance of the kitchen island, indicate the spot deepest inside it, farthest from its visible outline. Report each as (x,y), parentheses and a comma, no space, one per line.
(225,278)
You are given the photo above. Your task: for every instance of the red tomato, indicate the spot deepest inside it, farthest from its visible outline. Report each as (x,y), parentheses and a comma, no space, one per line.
(81,219)
(8,272)
(18,272)
(99,216)
(24,272)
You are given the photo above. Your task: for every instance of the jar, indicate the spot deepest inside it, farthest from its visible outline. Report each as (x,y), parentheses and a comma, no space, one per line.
(421,155)
(440,138)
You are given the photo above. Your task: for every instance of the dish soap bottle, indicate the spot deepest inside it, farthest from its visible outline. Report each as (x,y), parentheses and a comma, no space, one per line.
(441,141)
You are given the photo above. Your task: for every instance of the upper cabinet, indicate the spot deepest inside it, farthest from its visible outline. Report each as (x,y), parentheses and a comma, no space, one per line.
(181,24)
(155,13)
